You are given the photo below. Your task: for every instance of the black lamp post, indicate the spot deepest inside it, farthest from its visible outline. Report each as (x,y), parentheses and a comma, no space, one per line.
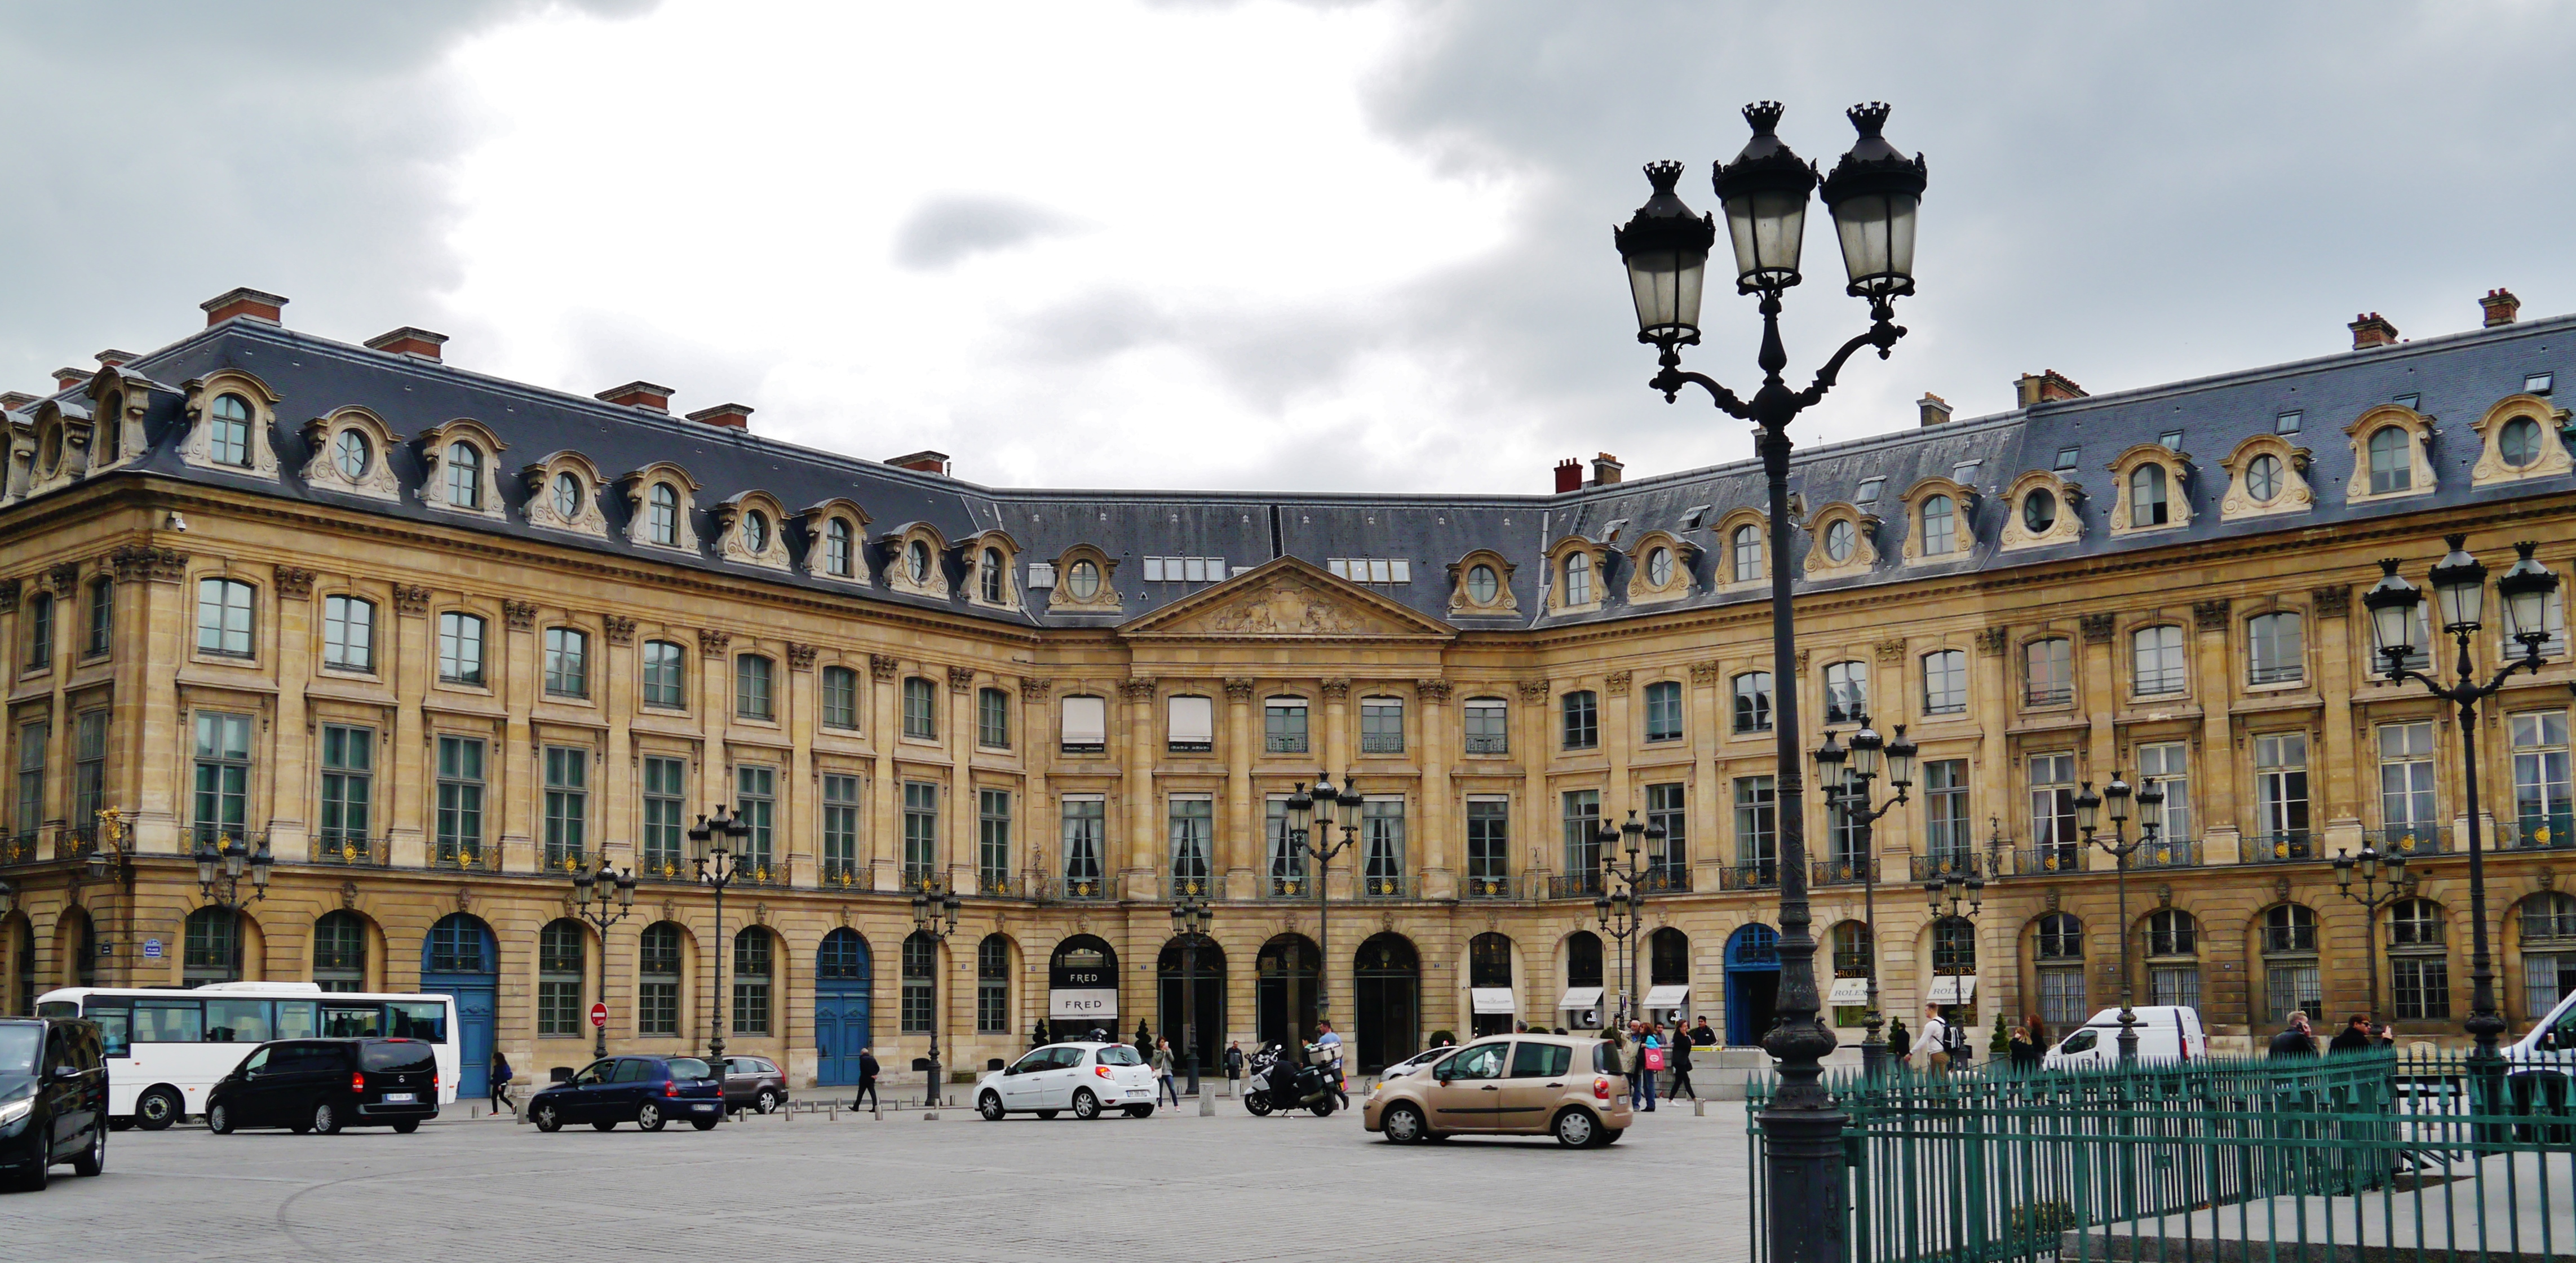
(1945,894)
(934,916)
(1190,918)
(1846,774)
(220,865)
(1872,194)
(715,848)
(1315,837)
(2372,868)
(603,898)
(2460,585)
(2151,820)
(1622,913)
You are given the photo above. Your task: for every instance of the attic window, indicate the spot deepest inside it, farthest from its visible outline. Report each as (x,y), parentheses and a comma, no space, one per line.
(2171,440)
(2537,383)
(1184,569)
(1610,533)
(1692,518)
(1372,569)
(1869,489)
(2286,423)
(2067,457)
(1965,471)
(1041,574)
(2411,402)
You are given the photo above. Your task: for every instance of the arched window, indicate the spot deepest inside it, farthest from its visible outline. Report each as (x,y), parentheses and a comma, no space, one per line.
(568,494)
(1945,682)
(993,985)
(211,947)
(2263,478)
(460,648)
(1954,947)
(2419,969)
(2048,675)
(1940,532)
(459,944)
(353,454)
(992,576)
(917,560)
(110,432)
(464,475)
(1846,692)
(2276,648)
(754,695)
(1489,961)
(2147,505)
(2061,970)
(1752,691)
(559,975)
(228,440)
(224,617)
(2290,977)
(755,531)
(37,631)
(1582,715)
(751,974)
(348,633)
(837,551)
(340,951)
(2157,664)
(662,515)
(920,982)
(2039,510)
(1659,567)
(2392,461)
(1578,579)
(1583,959)
(102,616)
(1667,958)
(657,990)
(2173,958)
(2548,951)
(1747,549)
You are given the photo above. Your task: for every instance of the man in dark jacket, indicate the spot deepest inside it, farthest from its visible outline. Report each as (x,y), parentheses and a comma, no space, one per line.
(2353,1038)
(2295,1040)
(867,1080)
(1702,1035)
(1233,1065)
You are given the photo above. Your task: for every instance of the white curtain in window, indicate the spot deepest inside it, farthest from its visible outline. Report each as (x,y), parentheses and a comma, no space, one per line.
(1086,721)
(1193,719)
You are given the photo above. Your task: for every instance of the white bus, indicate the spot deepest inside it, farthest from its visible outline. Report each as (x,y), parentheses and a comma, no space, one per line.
(167,1045)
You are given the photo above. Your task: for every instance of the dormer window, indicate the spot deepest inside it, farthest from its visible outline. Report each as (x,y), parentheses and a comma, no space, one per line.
(1940,535)
(228,441)
(994,572)
(1747,553)
(2039,510)
(568,495)
(2518,443)
(464,475)
(1840,537)
(1659,567)
(2391,469)
(2147,496)
(755,531)
(1482,584)
(2263,478)
(1083,581)
(838,548)
(916,560)
(353,455)
(1578,579)
(663,525)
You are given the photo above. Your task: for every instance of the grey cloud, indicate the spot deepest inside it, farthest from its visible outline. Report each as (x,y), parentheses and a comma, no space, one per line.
(945,231)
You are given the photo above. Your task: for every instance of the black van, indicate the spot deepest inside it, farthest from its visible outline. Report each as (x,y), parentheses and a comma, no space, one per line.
(326,1084)
(53,1099)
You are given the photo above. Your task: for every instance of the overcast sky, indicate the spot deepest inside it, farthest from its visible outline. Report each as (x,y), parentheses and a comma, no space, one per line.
(1319,246)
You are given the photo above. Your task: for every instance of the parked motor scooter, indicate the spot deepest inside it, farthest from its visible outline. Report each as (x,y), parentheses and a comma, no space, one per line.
(1277,1082)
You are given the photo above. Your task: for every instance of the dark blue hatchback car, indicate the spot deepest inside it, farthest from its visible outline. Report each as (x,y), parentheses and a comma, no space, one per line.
(647,1091)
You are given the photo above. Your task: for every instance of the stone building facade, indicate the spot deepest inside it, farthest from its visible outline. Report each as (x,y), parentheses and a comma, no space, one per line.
(438,639)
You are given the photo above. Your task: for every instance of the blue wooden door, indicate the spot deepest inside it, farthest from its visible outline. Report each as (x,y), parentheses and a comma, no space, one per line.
(460,957)
(1752,983)
(840,1034)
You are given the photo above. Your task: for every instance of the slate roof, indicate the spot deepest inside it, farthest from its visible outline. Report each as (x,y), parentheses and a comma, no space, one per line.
(2455,377)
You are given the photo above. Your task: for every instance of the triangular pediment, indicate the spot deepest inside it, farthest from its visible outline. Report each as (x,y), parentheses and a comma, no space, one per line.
(1287,599)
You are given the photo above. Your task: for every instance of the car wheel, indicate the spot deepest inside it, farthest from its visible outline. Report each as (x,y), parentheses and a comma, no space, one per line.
(1403,1125)
(219,1119)
(157,1109)
(1086,1106)
(704,1124)
(92,1161)
(1576,1129)
(990,1107)
(604,1124)
(1258,1103)
(767,1102)
(648,1116)
(36,1177)
(1140,1111)
(406,1126)
(546,1118)
(326,1120)
(1610,1136)
(1045,1114)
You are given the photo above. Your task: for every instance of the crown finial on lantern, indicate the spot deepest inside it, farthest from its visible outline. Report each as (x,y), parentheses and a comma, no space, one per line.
(1764,116)
(1868,117)
(1664,175)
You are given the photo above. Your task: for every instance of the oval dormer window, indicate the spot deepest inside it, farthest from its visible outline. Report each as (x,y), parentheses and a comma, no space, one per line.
(1481,584)
(755,531)
(352,454)
(1659,567)
(568,496)
(916,556)
(1084,581)
(2039,511)
(1838,540)
(2519,442)
(2263,478)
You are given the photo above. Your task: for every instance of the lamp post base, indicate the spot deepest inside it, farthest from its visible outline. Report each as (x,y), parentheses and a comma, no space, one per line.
(1803,1166)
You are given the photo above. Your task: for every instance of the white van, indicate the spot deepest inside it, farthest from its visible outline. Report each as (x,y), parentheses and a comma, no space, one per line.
(2541,1066)
(2166,1032)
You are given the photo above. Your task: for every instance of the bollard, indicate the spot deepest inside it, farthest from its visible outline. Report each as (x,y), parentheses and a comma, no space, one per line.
(877,1108)
(1207,1104)
(1699,1108)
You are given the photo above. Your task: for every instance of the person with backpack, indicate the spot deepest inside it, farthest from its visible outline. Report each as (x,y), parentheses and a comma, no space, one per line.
(1933,1047)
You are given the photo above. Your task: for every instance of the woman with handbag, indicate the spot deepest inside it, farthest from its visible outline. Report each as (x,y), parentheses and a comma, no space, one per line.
(1650,1063)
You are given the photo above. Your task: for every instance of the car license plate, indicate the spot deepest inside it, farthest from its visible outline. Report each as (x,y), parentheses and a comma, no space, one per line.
(1138,1092)
(399,1098)
(703,1108)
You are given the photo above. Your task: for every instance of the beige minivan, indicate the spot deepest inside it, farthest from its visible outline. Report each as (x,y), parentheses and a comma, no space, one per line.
(1567,1086)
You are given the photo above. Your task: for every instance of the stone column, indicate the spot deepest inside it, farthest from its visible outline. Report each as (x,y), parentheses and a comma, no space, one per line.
(1334,748)
(1442,830)
(883,848)
(1243,845)
(515,685)
(1989,678)
(291,739)
(1534,835)
(1619,795)
(410,762)
(148,727)
(1134,743)
(1039,741)
(957,815)
(1708,717)
(800,711)
(2214,665)
(2341,754)
(620,788)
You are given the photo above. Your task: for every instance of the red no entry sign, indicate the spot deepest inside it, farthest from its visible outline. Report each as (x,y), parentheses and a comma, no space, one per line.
(599,1015)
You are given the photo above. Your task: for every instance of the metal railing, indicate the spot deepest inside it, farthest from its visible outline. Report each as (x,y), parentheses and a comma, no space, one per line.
(664,867)
(2553,832)
(350,847)
(2426,838)
(1757,875)
(19,848)
(2048,859)
(2370,1156)
(1846,870)
(1085,888)
(1291,887)
(994,884)
(2168,853)
(75,842)
(1284,743)
(2283,848)
(1388,887)
(1936,867)
(1381,743)
(1574,886)
(466,856)
(2048,695)
(1496,886)
(565,859)
(1488,745)
(837,873)
(1665,877)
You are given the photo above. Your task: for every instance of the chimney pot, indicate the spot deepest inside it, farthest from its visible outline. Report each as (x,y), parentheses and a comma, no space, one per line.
(1569,475)
(248,303)
(2372,330)
(2045,386)
(732,416)
(13,400)
(409,341)
(1935,409)
(926,462)
(2500,306)
(1605,469)
(113,358)
(68,378)
(639,395)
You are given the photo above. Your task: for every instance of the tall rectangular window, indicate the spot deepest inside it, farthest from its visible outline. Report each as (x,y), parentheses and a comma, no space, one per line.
(1189,724)
(348,790)
(992,719)
(559,975)
(2275,648)
(1283,726)
(102,616)
(38,625)
(1582,827)
(1753,702)
(993,986)
(920,709)
(920,834)
(1581,712)
(2168,764)
(348,634)
(665,673)
(993,839)
(1287,858)
(754,695)
(1945,682)
(657,992)
(1193,834)
(460,648)
(32,740)
(222,774)
(89,767)
(1086,724)
(665,797)
(1489,847)
(1382,846)
(1381,725)
(2049,672)
(2406,808)
(1488,725)
(1846,692)
(224,617)
(840,829)
(460,801)
(751,979)
(840,698)
(1085,833)
(2541,813)
(756,802)
(567,806)
(567,662)
(1664,711)
(1947,833)
(2281,792)
(1668,809)
(2156,662)
(2056,845)
(1757,824)
(920,983)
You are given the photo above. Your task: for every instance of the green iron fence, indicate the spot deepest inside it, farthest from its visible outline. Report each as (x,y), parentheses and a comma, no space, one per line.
(2355,1159)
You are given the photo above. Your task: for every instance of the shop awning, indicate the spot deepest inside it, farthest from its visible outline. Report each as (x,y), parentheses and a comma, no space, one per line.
(1848,993)
(1578,998)
(1669,996)
(1492,999)
(1068,1003)
(1953,989)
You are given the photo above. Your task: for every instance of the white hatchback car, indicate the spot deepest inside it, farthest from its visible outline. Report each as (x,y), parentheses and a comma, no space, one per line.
(1085,1078)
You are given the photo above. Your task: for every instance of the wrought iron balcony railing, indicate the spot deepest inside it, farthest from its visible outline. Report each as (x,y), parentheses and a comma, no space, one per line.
(2424,838)
(1757,875)
(1194,885)
(2537,832)
(1085,888)
(1574,886)
(2168,853)
(1298,887)
(839,873)
(19,848)
(1477,744)
(1382,743)
(1390,886)
(1849,870)
(351,848)
(1943,864)
(2048,859)
(2283,848)
(996,884)
(468,855)
(1491,886)
(1664,878)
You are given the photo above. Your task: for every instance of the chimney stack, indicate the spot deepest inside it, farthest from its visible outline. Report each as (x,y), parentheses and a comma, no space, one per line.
(249,304)
(639,395)
(2372,330)
(926,462)
(732,416)
(13,400)
(68,378)
(1605,469)
(112,358)
(1935,409)
(1569,475)
(2500,306)
(409,341)
(2045,386)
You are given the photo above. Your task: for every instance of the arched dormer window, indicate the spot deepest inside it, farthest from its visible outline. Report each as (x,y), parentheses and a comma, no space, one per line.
(1579,566)
(62,432)
(2388,454)
(463,461)
(834,530)
(2040,511)
(1941,512)
(563,495)
(1659,568)
(916,553)
(991,557)
(1083,582)
(2265,475)
(230,414)
(1480,584)
(2519,438)
(1745,543)
(749,531)
(118,400)
(2153,495)
(1845,542)
(660,503)
(347,453)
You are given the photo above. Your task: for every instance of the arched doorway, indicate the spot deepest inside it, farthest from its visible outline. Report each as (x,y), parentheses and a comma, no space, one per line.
(1491,999)
(18,936)
(1082,988)
(461,958)
(1209,972)
(1668,975)
(75,951)
(1289,965)
(1581,1006)
(1752,983)
(1386,982)
(843,975)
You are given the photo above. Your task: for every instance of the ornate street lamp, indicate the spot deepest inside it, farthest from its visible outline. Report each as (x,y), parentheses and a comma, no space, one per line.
(603,898)
(1190,918)
(1873,194)
(715,850)
(220,865)
(1846,775)
(1318,843)
(934,916)
(2088,807)
(2372,869)
(1622,913)
(2459,586)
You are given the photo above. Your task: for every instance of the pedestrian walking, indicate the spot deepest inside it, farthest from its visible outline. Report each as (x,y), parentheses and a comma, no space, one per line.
(1233,1066)
(2295,1039)
(1328,1044)
(501,1077)
(1650,1064)
(867,1081)
(2039,1034)
(1934,1045)
(2353,1038)
(1680,1059)
(2025,1052)
(1163,1071)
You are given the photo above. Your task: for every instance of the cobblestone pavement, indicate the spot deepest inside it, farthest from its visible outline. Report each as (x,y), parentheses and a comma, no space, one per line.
(1175,1186)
